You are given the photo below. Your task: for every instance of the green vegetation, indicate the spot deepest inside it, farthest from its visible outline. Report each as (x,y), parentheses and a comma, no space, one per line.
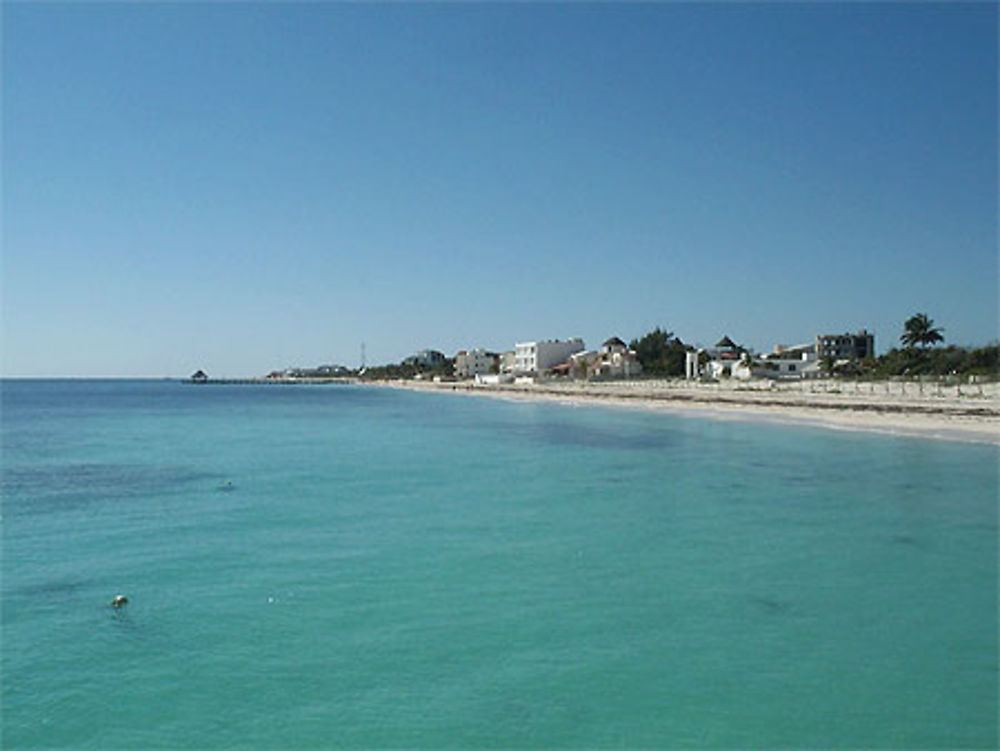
(384,372)
(827,364)
(917,359)
(919,330)
(660,353)
(943,361)
(407,370)
(663,355)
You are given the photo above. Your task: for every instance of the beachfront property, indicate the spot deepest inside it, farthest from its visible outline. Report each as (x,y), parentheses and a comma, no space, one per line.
(718,365)
(426,358)
(332,371)
(857,346)
(474,362)
(613,360)
(727,359)
(320,371)
(580,364)
(730,360)
(617,360)
(799,361)
(535,358)
(506,361)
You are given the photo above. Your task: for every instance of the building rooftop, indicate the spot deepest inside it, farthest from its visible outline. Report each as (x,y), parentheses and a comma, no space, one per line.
(726,342)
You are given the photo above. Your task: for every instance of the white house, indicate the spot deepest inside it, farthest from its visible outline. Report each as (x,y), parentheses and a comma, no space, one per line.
(474,362)
(739,369)
(727,360)
(615,360)
(538,357)
(799,361)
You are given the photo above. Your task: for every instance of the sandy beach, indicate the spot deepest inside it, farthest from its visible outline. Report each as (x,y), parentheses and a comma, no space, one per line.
(966,412)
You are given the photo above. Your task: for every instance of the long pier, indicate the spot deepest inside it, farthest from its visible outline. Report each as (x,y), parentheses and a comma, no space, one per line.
(267,381)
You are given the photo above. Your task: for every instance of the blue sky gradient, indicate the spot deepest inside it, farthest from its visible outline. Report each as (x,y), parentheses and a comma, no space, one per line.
(241,187)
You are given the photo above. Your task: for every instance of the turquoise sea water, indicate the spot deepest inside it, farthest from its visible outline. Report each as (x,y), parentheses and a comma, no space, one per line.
(396,569)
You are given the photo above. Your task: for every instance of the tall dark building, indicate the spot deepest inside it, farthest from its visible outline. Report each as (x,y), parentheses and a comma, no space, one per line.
(846,346)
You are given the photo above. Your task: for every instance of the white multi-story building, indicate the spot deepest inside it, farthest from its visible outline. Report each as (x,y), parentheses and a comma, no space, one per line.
(788,365)
(474,362)
(728,359)
(798,361)
(538,357)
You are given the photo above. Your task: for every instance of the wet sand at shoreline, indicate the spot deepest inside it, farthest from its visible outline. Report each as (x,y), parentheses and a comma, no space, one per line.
(967,413)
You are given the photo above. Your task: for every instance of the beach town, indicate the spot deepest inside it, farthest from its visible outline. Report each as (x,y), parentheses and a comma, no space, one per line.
(835,381)
(500,375)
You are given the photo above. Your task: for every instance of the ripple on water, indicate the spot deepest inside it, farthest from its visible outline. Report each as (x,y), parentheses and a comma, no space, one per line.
(59,487)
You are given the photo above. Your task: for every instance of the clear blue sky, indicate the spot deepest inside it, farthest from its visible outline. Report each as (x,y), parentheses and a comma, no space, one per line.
(240,187)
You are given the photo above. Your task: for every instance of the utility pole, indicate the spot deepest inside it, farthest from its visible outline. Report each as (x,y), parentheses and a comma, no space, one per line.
(362,355)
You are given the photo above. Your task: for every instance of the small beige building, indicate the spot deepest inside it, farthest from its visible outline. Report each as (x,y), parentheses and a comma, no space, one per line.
(475,362)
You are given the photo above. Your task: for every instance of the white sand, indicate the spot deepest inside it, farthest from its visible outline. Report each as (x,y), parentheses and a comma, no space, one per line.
(968,413)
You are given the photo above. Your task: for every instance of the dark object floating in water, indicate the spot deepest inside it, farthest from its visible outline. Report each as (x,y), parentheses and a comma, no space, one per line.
(227,485)
(119,601)
(769,604)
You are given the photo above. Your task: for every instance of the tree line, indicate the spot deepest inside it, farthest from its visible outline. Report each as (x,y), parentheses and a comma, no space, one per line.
(919,355)
(662,354)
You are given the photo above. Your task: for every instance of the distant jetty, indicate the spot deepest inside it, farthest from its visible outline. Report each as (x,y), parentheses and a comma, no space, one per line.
(228,381)
(204,380)
(269,381)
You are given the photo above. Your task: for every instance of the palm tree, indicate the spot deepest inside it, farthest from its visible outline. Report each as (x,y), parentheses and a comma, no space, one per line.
(919,329)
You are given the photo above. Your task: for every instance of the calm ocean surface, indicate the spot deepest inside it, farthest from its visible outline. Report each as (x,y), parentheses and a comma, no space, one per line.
(425,570)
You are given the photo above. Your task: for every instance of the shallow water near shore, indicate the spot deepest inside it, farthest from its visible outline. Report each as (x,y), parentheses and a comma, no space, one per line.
(394,569)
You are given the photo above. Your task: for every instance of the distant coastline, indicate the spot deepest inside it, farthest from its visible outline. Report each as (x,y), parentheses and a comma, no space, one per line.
(968,413)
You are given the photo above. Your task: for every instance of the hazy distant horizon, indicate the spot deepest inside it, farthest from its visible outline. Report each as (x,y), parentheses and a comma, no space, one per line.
(353,366)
